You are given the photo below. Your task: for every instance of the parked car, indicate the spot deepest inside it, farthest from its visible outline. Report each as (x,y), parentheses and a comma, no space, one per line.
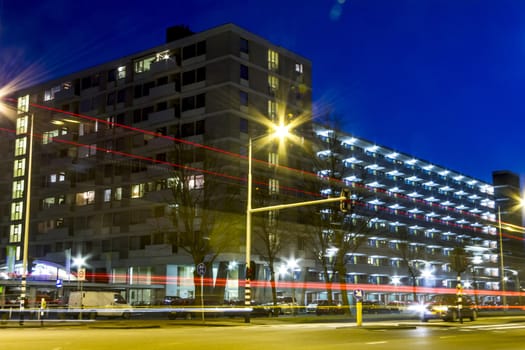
(374,307)
(445,306)
(324,307)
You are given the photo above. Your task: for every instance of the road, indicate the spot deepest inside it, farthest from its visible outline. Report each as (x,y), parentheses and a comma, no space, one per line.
(485,334)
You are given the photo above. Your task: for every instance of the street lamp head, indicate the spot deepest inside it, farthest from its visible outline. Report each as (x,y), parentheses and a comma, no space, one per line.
(282,131)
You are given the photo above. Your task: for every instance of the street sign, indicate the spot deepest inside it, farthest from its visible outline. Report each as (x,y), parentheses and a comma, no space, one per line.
(59,283)
(81,274)
(201,269)
(358,294)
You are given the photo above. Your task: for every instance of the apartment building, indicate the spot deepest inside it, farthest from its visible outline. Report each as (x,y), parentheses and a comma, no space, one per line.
(140,168)
(112,142)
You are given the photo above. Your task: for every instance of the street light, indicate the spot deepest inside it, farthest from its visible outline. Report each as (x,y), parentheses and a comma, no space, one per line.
(281,131)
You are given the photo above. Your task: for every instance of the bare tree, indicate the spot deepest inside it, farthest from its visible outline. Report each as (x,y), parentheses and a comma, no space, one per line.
(203,228)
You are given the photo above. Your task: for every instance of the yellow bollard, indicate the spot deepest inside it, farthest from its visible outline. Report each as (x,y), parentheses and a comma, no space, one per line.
(359,313)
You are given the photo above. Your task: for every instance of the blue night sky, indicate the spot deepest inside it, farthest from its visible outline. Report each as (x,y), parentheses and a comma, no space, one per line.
(442,80)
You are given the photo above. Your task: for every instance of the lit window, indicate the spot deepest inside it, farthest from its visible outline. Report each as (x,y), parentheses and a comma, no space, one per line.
(16,211)
(48,202)
(162,56)
(144,65)
(85,198)
(107,195)
(273,60)
(273,186)
(121,72)
(272,110)
(273,84)
(196,182)
(20,146)
(15,234)
(21,125)
(18,189)
(299,68)
(273,159)
(47,136)
(19,167)
(118,194)
(137,191)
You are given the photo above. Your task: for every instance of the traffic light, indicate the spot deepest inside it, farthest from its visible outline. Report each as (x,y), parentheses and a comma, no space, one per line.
(345,204)
(250,271)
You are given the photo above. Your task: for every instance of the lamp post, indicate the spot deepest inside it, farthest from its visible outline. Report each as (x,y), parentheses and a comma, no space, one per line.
(281,131)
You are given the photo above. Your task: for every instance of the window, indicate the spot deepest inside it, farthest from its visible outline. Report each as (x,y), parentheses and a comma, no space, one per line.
(17,209)
(244,46)
(107,195)
(273,60)
(47,136)
(21,125)
(121,72)
(15,234)
(272,110)
(193,102)
(20,146)
(118,194)
(18,189)
(137,191)
(195,182)
(144,64)
(273,186)
(194,76)
(194,50)
(299,68)
(273,84)
(273,159)
(243,98)
(19,167)
(244,72)
(85,198)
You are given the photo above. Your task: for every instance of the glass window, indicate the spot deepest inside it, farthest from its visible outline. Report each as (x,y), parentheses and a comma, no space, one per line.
(17,209)
(20,146)
(244,72)
(15,234)
(18,189)
(21,125)
(273,60)
(243,98)
(19,167)
(137,191)
(85,198)
(244,45)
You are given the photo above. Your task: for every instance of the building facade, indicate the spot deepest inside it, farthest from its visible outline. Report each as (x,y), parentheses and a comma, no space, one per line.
(140,167)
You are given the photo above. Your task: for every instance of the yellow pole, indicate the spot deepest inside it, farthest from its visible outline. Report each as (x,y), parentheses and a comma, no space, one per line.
(359,313)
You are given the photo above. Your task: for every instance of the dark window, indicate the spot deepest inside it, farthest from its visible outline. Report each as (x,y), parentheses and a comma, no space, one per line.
(200,101)
(188,77)
(244,72)
(244,46)
(147,86)
(121,96)
(243,125)
(243,98)
(199,127)
(137,91)
(201,48)
(188,103)
(162,81)
(112,75)
(111,99)
(187,129)
(188,52)
(201,74)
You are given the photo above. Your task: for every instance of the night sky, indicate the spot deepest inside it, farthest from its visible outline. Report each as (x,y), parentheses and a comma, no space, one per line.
(442,80)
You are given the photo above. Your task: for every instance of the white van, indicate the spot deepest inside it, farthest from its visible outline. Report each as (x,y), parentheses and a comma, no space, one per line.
(95,303)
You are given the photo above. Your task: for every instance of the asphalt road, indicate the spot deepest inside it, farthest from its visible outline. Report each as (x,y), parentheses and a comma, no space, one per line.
(498,333)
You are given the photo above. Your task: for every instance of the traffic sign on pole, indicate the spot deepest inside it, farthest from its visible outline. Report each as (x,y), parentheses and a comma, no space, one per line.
(201,269)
